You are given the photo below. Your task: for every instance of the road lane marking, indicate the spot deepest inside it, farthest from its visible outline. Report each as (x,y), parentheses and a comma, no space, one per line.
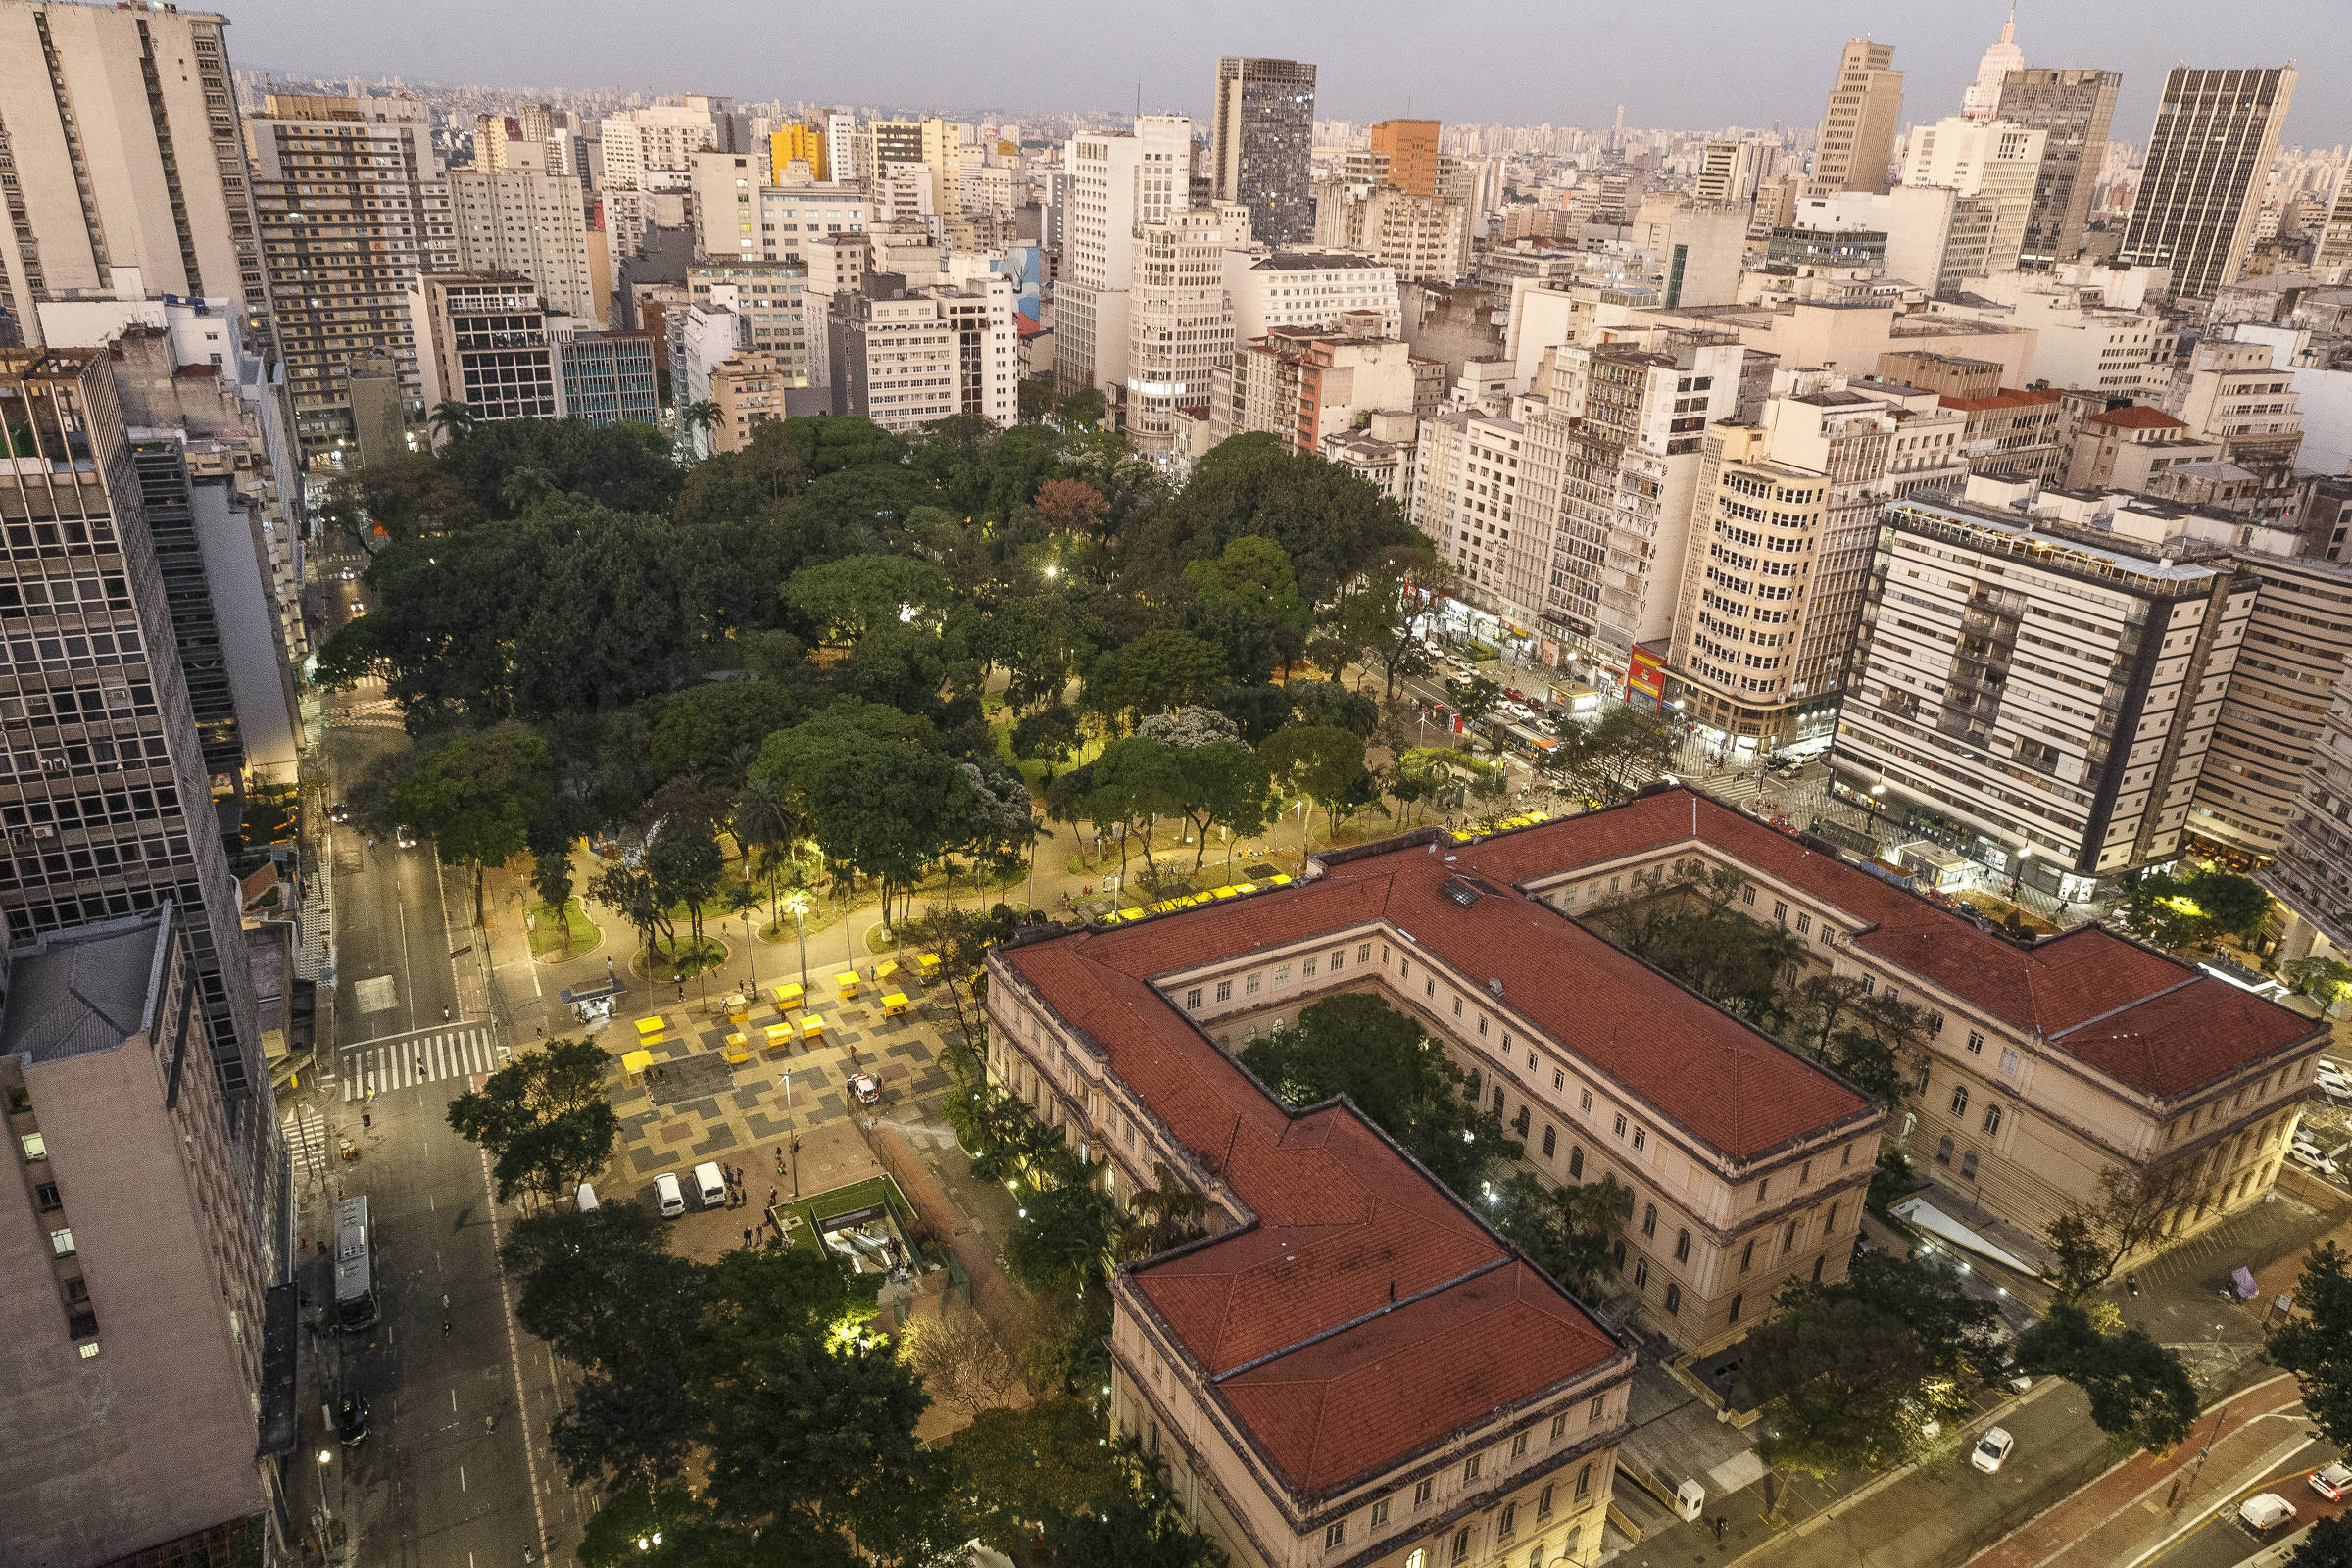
(523,1409)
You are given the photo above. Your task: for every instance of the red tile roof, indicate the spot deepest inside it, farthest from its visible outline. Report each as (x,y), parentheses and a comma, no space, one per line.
(2138,417)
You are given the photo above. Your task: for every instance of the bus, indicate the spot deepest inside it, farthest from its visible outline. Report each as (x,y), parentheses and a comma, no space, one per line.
(354,1264)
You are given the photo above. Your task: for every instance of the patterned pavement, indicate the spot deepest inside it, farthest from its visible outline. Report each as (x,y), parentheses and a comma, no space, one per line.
(696,1106)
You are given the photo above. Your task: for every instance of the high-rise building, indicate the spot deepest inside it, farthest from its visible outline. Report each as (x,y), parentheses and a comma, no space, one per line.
(1262,143)
(1421,238)
(354,205)
(107,804)
(2073,109)
(749,392)
(607,378)
(1412,149)
(1118,181)
(120,143)
(767,296)
(906,357)
(1309,289)
(524,217)
(2037,697)
(1303,385)
(1734,170)
(1983,99)
(1179,321)
(797,143)
(132,1264)
(1856,143)
(2201,188)
(481,340)
(1994,163)
(849,151)
(2274,720)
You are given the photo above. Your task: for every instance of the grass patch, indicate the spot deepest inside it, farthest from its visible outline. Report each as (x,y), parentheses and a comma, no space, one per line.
(560,934)
(841,1200)
(682,960)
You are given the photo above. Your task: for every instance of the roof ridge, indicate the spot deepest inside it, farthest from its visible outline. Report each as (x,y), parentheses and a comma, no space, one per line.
(2135,1002)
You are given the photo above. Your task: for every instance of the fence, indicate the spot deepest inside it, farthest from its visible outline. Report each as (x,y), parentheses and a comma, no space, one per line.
(994,1296)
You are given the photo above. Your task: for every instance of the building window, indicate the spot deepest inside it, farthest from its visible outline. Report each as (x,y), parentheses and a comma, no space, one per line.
(1763,1189)
(1735,1301)
(2008,1060)
(1817,1262)
(1583,1483)
(1593,1413)
(1747,894)
(1421,1494)
(1282,974)
(1306,970)
(1640,1273)
(1250,986)
(61,1241)
(1380,1513)
(1617,1253)
(1943,1151)
(35,1147)
(1363,953)
(1543,1502)
(1682,1247)
(1584,1099)
(1461,1544)
(1960,1100)
(1519,1447)
(1552,1139)
(1191,1000)
(1674,1300)
(1649,1219)
(1576,1161)
(1471,1467)
(1620,1124)
(45,1194)
(1828,1227)
(1789,1240)
(1419,1559)
(1976,1042)
(1509,1524)
(1640,1139)
(1993,1120)
(1747,1254)
(1224,991)
(1559,1427)
(1334,1532)
(1968,1166)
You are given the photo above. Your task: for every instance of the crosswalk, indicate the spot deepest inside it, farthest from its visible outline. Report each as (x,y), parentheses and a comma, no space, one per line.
(306,1137)
(426,1058)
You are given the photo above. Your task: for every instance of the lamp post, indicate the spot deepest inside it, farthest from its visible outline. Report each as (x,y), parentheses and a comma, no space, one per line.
(797,901)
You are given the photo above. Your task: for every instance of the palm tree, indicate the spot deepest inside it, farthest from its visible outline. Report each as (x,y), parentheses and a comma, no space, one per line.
(451,418)
(703,414)
(1159,1217)
(762,825)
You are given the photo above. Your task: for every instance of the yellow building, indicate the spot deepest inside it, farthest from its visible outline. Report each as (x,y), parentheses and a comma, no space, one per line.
(797,143)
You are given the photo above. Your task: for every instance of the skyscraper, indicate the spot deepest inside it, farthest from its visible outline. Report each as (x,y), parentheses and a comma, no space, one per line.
(524,217)
(2073,107)
(1983,99)
(104,793)
(1119,183)
(2201,189)
(120,137)
(1857,129)
(1411,148)
(1262,144)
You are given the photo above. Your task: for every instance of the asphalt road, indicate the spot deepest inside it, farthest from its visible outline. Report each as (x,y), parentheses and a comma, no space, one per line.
(2221,1541)
(444,1477)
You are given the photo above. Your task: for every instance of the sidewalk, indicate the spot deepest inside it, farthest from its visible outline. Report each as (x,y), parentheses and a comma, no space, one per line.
(2139,1502)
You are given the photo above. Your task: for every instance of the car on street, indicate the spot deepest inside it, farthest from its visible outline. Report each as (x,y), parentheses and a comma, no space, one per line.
(2333,1481)
(350,575)
(405,836)
(351,1419)
(1992,1448)
(2265,1510)
(867,1090)
(2307,1154)
(340,812)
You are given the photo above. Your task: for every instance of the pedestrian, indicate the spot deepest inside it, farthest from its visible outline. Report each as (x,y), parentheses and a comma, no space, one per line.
(1721,1520)
(746,1236)
(772,1197)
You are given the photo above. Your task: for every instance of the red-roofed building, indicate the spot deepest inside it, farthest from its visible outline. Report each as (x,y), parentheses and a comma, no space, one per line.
(2120,448)
(1353,1368)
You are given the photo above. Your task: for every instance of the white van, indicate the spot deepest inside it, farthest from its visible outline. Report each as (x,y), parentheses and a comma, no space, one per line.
(2265,1510)
(667,1195)
(710,1183)
(587,1198)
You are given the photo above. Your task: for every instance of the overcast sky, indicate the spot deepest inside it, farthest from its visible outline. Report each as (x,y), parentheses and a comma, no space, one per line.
(1689,63)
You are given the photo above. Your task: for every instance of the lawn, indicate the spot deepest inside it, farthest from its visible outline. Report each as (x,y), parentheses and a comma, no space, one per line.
(842,1199)
(555,936)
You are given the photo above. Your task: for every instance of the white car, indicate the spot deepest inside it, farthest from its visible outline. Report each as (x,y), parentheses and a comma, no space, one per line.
(668,1196)
(1992,1448)
(350,575)
(2333,1482)
(2332,1083)
(2265,1510)
(2307,1154)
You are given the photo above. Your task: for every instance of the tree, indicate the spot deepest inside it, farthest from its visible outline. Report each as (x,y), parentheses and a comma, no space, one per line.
(1019,1468)
(2091,1240)
(1380,610)
(1145,1527)
(686,865)
(1061,1242)
(702,414)
(478,796)
(1321,762)
(958,1361)
(543,1120)
(451,418)
(2327,980)
(1565,1231)
(1859,1031)
(1417,774)
(1084,408)
(2316,1344)
(1685,925)
(638,899)
(1159,1217)
(1855,1370)
(1070,507)
(1049,736)
(1246,600)
(2140,1395)
(551,874)
(2197,908)
(1355,1045)
(1158,671)
(877,799)
(1327,702)
(2327,1545)
(847,598)
(1611,758)
(1330,523)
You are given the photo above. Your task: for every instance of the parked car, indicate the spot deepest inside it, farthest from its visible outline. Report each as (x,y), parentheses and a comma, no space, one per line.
(2333,1482)
(668,1197)
(2332,1082)
(2307,1154)
(351,1419)
(2265,1510)
(711,1184)
(350,575)
(340,812)
(867,1090)
(1992,1448)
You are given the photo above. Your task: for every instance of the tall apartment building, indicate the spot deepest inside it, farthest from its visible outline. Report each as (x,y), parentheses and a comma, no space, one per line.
(121,153)
(849,150)
(1305,387)
(797,143)
(2201,188)
(770,297)
(1734,170)
(1856,141)
(525,218)
(2234,397)
(1996,162)
(107,806)
(353,205)
(1421,238)
(905,357)
(1782,531)
(1118,181)
(2038,697)
(1309,289)
(2073,108)
(750,392)
(1479,492)
(481,340)
(645,150)
(607,378)
(1262,143)
(149,1362)
(1411,147)
(2266,747)
(737,217)
(1179,324)
(2010,434)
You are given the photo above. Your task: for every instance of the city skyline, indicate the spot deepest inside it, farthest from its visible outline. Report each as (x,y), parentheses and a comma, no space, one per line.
(1772,67)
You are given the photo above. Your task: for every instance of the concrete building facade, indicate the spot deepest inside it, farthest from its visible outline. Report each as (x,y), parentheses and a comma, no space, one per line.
(1261,144)
(2073,108)
(1855,146)
(528,219)
(481,340)
(2207,159)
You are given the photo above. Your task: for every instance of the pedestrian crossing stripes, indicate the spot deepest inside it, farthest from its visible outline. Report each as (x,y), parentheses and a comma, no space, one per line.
(306,1137)
(424,1058)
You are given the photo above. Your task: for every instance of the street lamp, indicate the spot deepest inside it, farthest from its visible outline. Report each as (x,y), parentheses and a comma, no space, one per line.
(797,901)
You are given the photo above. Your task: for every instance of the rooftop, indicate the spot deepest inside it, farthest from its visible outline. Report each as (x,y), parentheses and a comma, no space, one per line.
(2138,417)
(2006,398)
(1313,260)
(84,989)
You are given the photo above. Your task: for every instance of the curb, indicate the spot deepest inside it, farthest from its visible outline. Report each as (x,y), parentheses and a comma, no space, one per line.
(2204,1516)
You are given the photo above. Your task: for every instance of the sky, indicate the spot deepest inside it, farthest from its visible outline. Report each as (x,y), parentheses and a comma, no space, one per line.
(1696,65)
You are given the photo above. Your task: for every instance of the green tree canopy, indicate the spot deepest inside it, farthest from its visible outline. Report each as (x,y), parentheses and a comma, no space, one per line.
(543,1120)
(1322,761)
(2197,907)
(847,598)
(628,468)
(1330,523)
(2316,1344)
(2140,1395)
(480,796)
(1156,672)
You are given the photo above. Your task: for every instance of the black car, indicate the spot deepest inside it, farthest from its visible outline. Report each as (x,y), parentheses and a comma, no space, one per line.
(351,1419)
